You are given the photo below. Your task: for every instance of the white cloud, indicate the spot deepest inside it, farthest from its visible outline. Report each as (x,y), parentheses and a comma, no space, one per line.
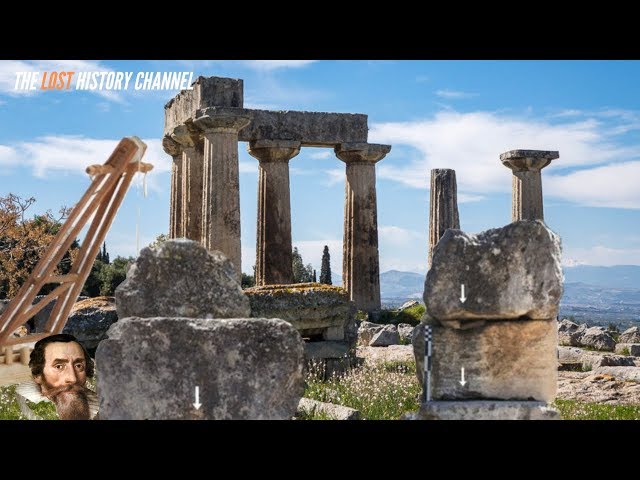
(8,156)
(398,236)
(454,94)
(398,247)
(269,65)
(72,154)
(321,154)
(601,255)
(9,68)
(467,198)
(471,144)
(248,167)
(334,177)
(614,185)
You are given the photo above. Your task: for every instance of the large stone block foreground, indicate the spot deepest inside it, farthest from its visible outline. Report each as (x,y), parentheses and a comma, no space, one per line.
(485,410)
(244,368)
(503,360)
(180,278)
(508,273)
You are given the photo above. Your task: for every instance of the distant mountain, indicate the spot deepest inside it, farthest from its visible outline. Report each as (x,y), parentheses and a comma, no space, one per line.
(596,295)
(618,276)
(396,284)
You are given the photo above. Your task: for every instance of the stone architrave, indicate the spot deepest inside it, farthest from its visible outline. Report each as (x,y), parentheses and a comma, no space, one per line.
(273,243)
(192,166)
(361,263)
(443,205)
(174,149)
(526,203)
(221,188)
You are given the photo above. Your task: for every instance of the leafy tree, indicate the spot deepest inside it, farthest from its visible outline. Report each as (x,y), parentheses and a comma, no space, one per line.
(160,239)
(325,269)
(301,273)
(23,241)
(248,281)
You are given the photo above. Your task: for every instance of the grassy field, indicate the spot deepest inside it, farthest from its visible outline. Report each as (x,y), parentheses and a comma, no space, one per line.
(572,410)
(381,392)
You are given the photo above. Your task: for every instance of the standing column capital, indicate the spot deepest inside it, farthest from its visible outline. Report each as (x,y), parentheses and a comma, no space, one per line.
(528,160)
(171,147)
(273,150)
(526,196)
(361,152)
(185,135)
(222,122)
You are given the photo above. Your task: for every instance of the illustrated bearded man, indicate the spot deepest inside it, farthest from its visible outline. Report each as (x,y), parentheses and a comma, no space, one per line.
(60,367)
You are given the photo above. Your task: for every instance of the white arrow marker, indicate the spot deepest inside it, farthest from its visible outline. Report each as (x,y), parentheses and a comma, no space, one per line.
(462,297)
(197,403)
(462,381)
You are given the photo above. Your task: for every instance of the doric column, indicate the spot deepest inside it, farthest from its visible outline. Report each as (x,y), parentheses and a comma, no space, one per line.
(273,243)
(361,262)
(192,165)
(526,203)
(443,205)
(174,149)
(221,198)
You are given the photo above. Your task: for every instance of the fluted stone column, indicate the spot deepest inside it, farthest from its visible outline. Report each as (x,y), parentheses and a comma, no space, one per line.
(221,197)
(443,205)
(273,243)
(174,149)
(361,262)
(192,169)
(526,203)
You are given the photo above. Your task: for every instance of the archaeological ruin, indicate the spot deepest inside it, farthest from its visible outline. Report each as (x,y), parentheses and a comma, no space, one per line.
(201,132)
(492,300)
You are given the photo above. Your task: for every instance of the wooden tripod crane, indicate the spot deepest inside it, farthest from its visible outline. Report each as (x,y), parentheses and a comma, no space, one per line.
(98,205)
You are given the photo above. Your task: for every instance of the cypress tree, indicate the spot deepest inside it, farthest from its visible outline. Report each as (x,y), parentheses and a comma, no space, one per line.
(325,270)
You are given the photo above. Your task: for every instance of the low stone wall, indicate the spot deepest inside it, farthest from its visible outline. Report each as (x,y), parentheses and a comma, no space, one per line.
(324,316)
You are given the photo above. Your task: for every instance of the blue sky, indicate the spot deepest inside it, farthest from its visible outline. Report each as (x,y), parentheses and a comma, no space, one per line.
(435,114)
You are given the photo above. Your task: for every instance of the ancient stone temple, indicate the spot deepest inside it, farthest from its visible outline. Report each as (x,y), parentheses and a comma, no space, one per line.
(202,129)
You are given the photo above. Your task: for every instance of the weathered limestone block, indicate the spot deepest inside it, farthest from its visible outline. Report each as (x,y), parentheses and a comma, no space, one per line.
(180,278)
(406,333)
(326,349)
(90,319)
(207,92)
(631,374)
(246,368)
(630,335)
(502,360)
(485,410)
(330,411)
(388,335)
(598,339)
(312,308)
(508,273)
(366,332)
(570,334)
(577,359)
(319,129)
(632,349)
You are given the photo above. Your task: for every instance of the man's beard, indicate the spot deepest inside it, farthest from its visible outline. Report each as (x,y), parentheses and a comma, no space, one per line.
(70,400)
